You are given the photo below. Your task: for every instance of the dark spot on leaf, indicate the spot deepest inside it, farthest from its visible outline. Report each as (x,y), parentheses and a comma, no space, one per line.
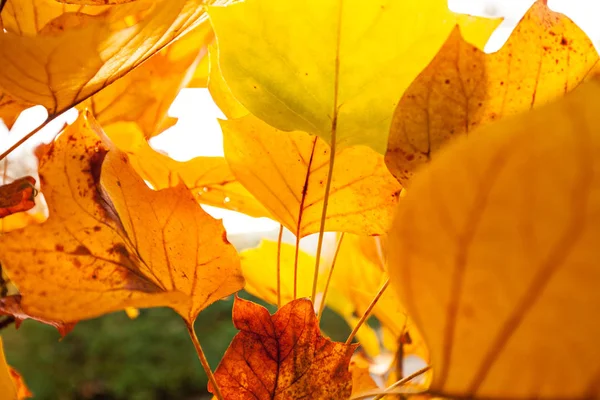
(96,160)
(119,248)
(81,250)
(564,41)
(447,81)
(410,157)
(59,247)
(119,183)
(97,228)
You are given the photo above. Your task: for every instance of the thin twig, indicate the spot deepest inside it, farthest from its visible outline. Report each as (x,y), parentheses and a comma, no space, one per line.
(6,322)
(296,255)
(2,4)
(204,361)
(334,121)
(367,312)
(403,381)
(337,250)
(279,266)
(24,138)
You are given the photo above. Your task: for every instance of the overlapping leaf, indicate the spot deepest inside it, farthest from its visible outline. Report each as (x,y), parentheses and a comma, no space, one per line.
(546,56)
(501,275)
(17,196)
(77,54)
(11,305)
(8,387)
(111,242)
(287,173)
(323,66)
(282,356)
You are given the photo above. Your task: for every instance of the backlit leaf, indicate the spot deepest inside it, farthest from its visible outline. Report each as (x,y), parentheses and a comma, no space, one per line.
(320,65)
(95,2)
(75,55)
(17,196)
(11,305)
(546,56)
(282,356)
(22,389)
(209,178)
(495,254)
(8,389)
(361,378)
(111,242)
(287,173)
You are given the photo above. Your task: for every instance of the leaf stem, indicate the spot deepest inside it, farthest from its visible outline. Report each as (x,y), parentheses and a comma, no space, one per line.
(367,312)
(337,250)
(203,360)
(403,381)
(296,255)
(26,137)
(279,266)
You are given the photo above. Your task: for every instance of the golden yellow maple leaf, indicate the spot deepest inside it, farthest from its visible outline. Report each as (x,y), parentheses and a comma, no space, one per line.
(287,173)
(546,56)
(76,54)
(145,94)
(209,178)
(111,242)
(345,63)
(495,255)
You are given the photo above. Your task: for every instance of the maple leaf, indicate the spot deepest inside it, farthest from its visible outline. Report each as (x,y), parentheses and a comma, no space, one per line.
(344,63)
(546,56)
(76,54)
(111,242)
(501,275)
(17,196)
(282,356)
(11,305)
(287,173)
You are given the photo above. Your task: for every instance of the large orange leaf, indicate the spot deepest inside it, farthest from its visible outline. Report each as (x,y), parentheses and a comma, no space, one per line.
(209,178)
(111,242)
(23,391)
(287,173)
(495,254)
(17,196)
(282,356)
(77,54)
(546,56)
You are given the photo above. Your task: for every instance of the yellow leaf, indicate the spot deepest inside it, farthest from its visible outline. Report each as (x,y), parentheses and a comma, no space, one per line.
(495,254)
(361,378)
(145,94)
(219,90)
(10,108)
(209,178)
(111,242)
(259,267)
(287,173)
(323,65)
(95,2)
(76,55)
(8,391)
(546,56)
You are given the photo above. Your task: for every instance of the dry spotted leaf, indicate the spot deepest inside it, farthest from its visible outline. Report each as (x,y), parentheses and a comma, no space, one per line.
(287,173)
(11,305)
(259,267)
(145,94)
(111,242)
(344,63)
(77,54)
(282,356)
(17,196)
(209,178)
(502,275)
(546,56)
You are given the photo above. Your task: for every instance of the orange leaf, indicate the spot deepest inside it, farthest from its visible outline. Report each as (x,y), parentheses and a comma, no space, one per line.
(361,378)
(8,389)
(22,389)
(17,196)
(546,56)
(111,242)
(282,356)
(11,305)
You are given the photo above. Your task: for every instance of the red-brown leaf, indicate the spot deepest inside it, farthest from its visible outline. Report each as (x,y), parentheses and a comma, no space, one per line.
(282,356)
(17,196)
(11,305)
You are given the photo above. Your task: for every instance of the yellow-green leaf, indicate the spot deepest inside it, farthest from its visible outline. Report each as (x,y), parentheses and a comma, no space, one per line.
(323,65)
(495,254)
(546,56)
(287,173)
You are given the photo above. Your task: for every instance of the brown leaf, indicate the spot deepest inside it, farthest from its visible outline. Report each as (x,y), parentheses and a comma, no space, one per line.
(546,56)
(111,242)
(282,356)
(17,196)
(11,305)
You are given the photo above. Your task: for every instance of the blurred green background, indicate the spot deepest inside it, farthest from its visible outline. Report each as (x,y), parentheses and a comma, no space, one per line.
(116,358)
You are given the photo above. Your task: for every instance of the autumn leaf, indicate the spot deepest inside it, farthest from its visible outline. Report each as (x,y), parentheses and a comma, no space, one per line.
(209,178)
(546,56)
(287,173)
(17,196)
(76,54)
(501,275)
(22,389)
(146,93)
(219,90)
(361,378)
(95,2)
(8,389)
(11,305)
(282,356)
(344,63)
(111,242)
